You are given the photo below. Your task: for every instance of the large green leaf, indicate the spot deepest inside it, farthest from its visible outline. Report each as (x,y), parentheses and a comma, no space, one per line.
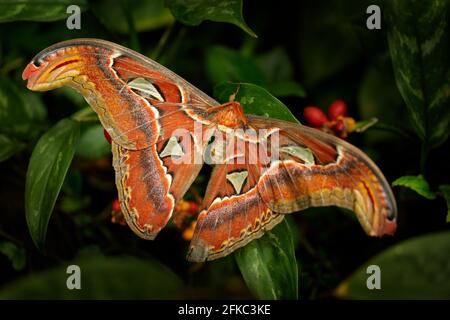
(419,45)
(272,70)
(276,65)
(22,117)
(278,70)
(15,118)
(47,169)
(387,107)
(224,64)
(287,89)
(15,254)
(43,10)
(8,147)
(445,191)
(255,100)
(101,278)
(417,268)
(268,265)
(193,12)
(146,15)
(416,183)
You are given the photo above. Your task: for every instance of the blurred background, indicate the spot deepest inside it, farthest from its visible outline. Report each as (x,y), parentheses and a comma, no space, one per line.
(306,53)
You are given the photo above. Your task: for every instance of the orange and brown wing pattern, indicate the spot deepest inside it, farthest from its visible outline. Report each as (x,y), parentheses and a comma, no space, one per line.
(125,89)
(317,169)
(245,197)
(159,125)
(234,213)
(141,104)
(143,185)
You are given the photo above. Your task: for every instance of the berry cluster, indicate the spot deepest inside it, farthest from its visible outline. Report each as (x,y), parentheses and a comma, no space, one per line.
(335,123)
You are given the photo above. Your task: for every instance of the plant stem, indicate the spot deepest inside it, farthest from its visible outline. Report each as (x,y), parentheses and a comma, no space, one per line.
(162,42)
(392,129)
(9,237)
(134,40)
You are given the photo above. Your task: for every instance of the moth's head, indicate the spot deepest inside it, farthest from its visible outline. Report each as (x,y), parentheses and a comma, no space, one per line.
(54,67)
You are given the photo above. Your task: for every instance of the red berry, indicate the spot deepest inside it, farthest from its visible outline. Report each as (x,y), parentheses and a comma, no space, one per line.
(107,136)
(336,109)
(193,207)
(116,206)
(314,116)
(339,126)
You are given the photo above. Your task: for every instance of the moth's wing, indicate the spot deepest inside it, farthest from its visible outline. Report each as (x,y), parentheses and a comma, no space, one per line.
(318,169)
(129,92)
(143,186)
(151,181)
(233,212)
(142,105)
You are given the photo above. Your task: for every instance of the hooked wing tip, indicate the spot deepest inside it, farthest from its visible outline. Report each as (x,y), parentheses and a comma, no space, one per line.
(29,70)
(390,227)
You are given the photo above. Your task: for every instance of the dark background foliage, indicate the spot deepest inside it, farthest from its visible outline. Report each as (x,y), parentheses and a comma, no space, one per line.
(306,53)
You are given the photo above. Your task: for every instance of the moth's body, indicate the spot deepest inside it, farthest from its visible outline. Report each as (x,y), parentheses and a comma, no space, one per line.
(143,106)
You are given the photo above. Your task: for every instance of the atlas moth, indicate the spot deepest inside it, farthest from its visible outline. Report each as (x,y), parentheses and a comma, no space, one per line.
(141,103)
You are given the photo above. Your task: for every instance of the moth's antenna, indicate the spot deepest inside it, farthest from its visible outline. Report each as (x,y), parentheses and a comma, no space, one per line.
(233,96)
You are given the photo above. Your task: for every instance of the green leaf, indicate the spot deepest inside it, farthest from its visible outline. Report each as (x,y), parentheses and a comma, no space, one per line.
(417,268)
(364,125)
(268,265)
(93,144)
(418,42)
(9,147)
(445,190)
(16,118)
(16,255)
(416,183)
(287,89)
(224,64)
(22,117)
(101,278)
(387,107)
(34,107)
(276,65)
(193,12)
(43,10)
(278,70)
(146,15)
(255,100)
(48,166)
